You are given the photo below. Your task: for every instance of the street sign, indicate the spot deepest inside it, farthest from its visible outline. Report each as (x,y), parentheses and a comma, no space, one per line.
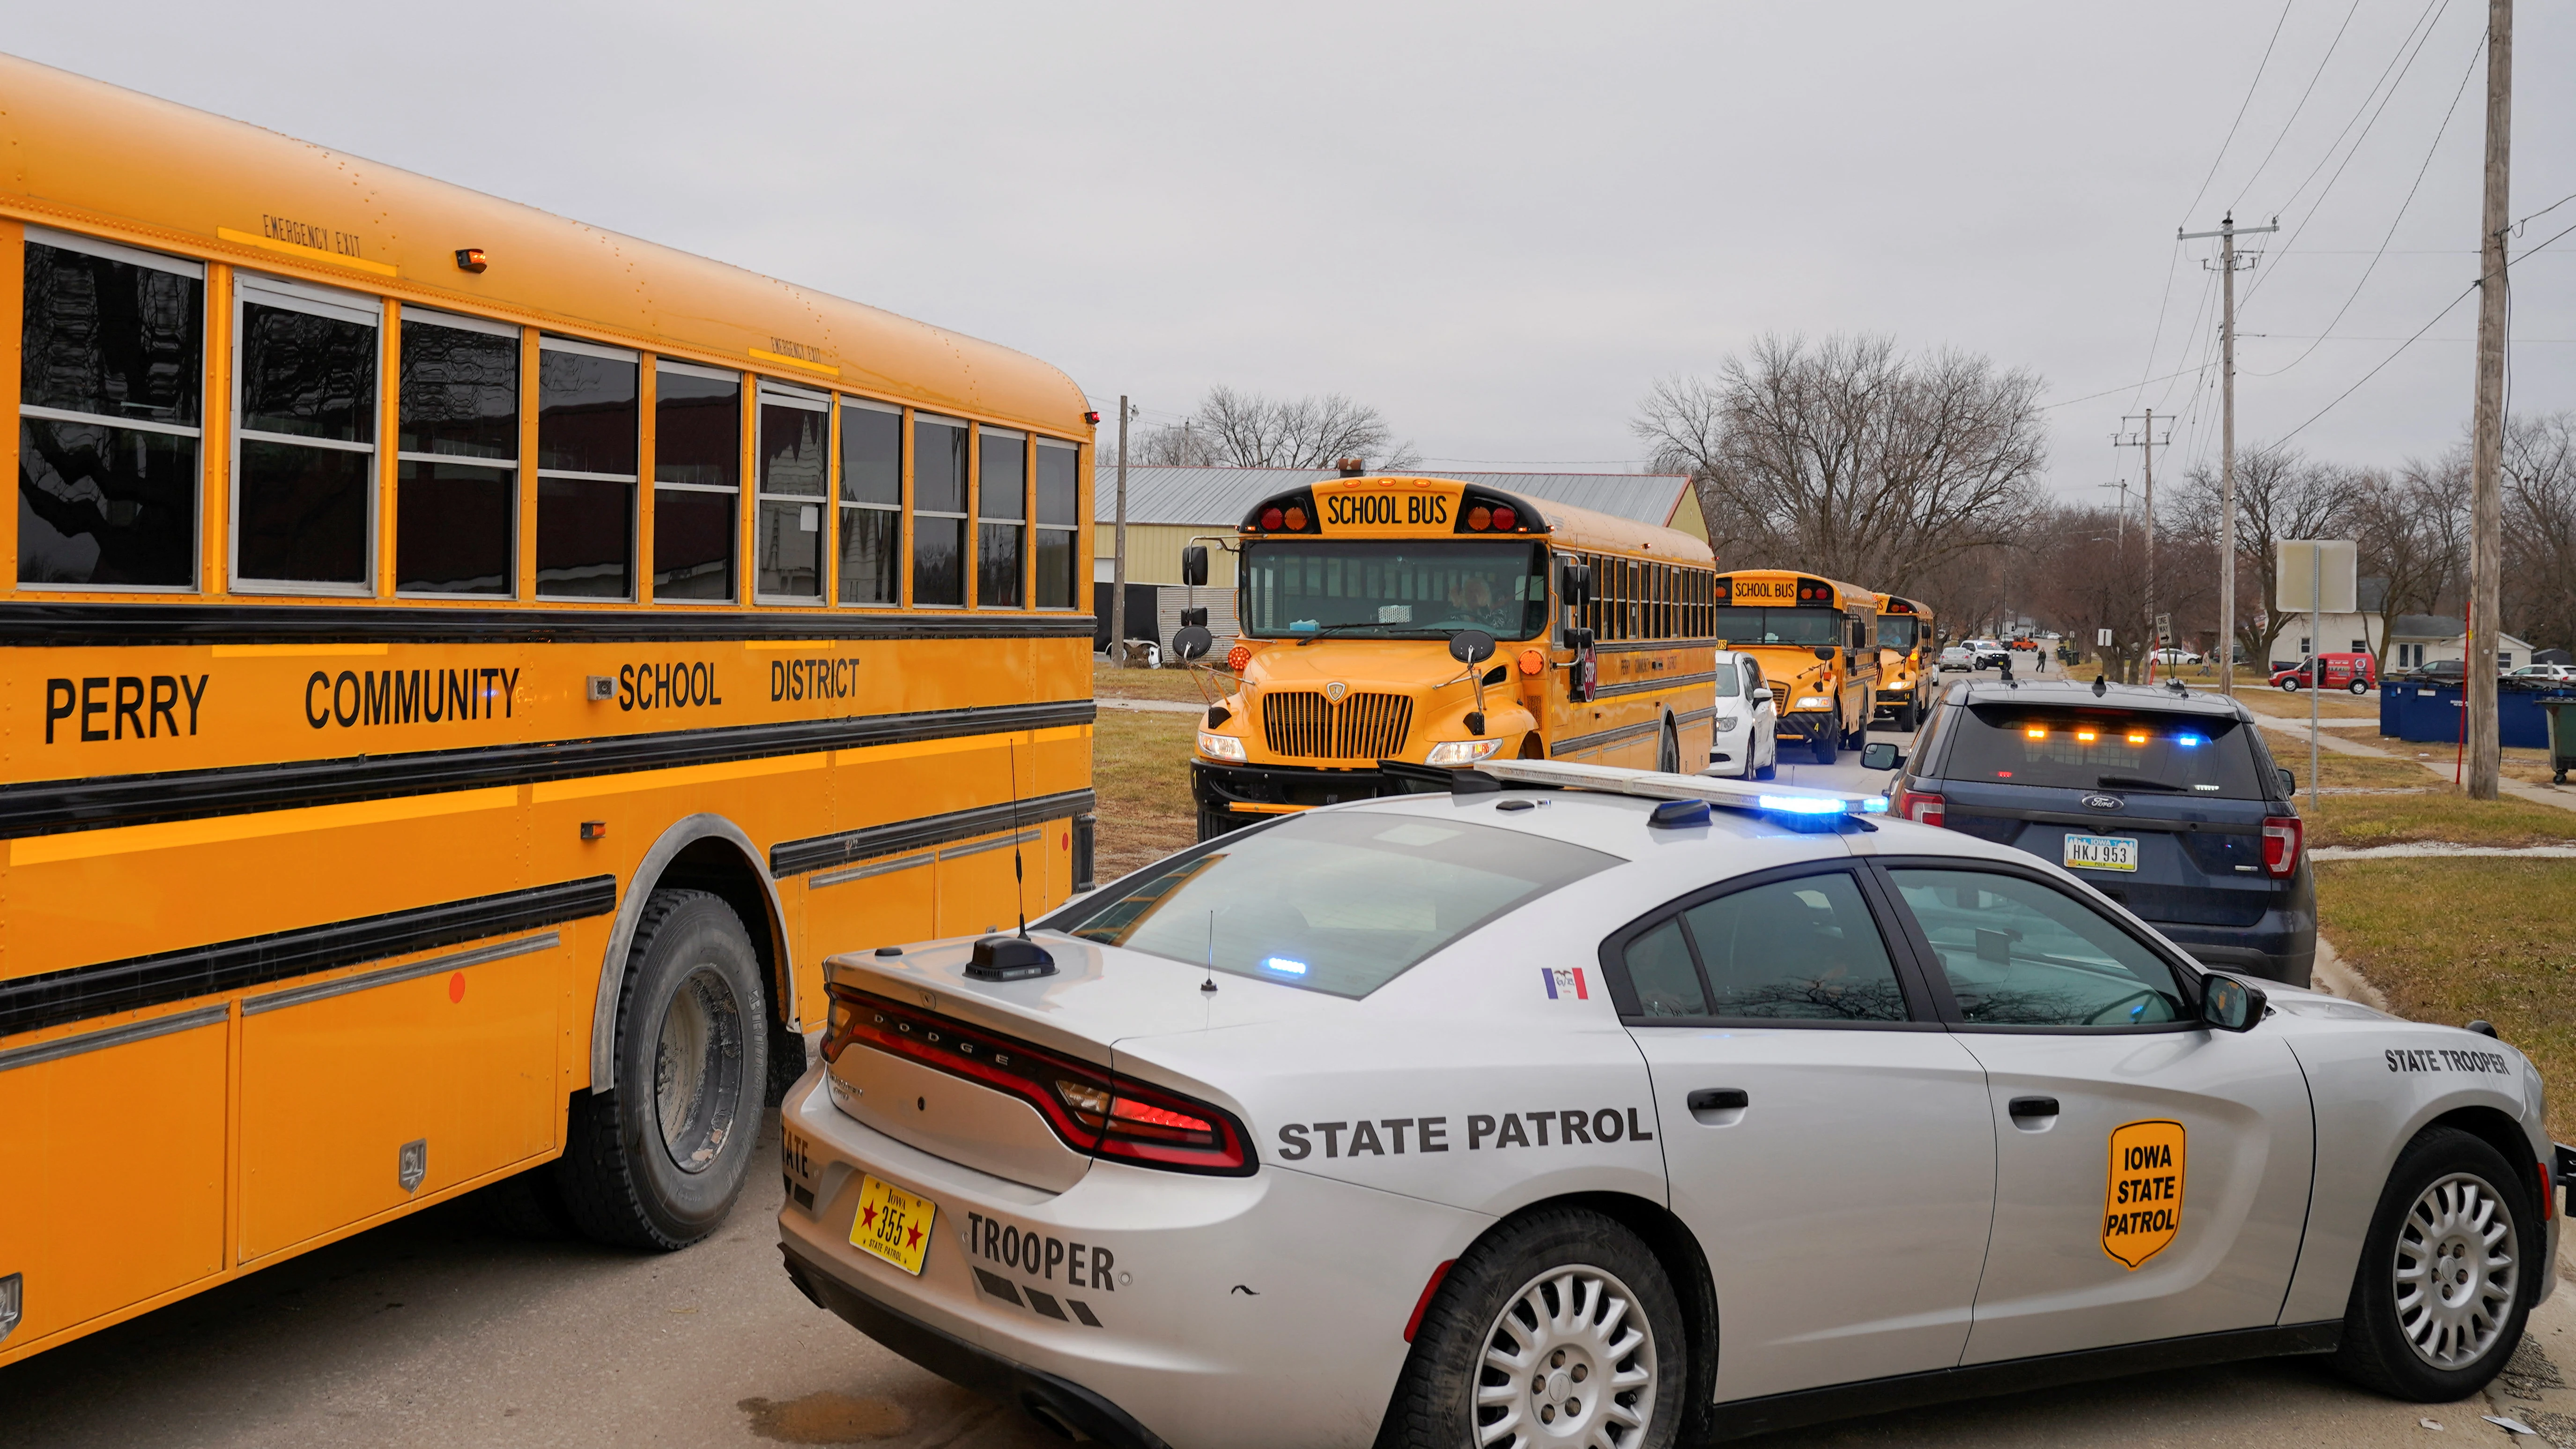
(2317,576)
(2102,637)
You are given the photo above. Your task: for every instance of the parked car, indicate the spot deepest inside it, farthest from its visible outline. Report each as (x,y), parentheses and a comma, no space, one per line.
(1988,653)
(2354,672)
(1958,656)
(1744,747)
(2024,642)
(2546,674)
(2167,802)
(2440,671)
(2176,656)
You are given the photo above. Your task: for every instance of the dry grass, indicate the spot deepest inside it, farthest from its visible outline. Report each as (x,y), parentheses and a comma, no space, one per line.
(2442,815)
(1140,770)
(2333,704)
(2352,772)
(1108,683)
(2453,940)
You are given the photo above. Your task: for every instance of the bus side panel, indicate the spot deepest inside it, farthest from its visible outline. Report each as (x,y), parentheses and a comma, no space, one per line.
(860,915)
(462,1061)
(976,892)
(114,1185)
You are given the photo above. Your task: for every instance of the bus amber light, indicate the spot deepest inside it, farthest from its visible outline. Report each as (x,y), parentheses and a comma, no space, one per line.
(1237,657)
(1296,519)
(1480,518)
(1533,661)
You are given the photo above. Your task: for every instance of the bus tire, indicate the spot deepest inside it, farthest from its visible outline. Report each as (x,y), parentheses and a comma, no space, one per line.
(1904,721)
(657,1162)
(1213,823)
(1668,751)
(1826,743)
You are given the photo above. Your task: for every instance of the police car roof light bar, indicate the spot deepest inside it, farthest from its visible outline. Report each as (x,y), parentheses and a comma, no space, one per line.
(1655,785)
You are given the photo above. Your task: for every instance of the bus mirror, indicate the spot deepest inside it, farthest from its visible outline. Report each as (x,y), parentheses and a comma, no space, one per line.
(1193,643)
(1194,566)
(1825,652)
(1194,617)
(1471,646)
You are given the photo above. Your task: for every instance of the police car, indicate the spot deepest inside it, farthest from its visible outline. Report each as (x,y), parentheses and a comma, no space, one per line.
(1561,1104)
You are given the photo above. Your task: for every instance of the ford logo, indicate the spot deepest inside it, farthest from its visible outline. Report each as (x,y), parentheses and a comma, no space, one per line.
(2103,802)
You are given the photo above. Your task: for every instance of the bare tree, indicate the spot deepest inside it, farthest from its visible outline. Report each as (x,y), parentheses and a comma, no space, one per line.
(2413,531)
(2280,494)
(1234,429)
(2540,529)
(1851,459)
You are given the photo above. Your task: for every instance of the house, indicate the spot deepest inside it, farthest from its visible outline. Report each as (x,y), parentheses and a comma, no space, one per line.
(2416,640)
(1168,507)
(2356,633)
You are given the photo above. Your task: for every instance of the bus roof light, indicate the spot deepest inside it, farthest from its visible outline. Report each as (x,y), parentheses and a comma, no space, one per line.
(1272,519)
(1480,518)
(470,259)
(1507,519)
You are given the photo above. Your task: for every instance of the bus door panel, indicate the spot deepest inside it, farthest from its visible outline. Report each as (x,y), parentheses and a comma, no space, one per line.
(337,1089)
(115,1178)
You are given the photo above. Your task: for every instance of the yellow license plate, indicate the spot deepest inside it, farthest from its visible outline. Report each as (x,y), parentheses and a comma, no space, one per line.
(893,1224)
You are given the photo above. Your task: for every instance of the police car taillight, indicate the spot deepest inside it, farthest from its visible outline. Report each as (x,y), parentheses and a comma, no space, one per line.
(2282,835)
(1091,1110)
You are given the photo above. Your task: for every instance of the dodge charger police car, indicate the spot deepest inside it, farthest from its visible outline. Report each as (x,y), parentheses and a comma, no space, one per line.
(1557,1107)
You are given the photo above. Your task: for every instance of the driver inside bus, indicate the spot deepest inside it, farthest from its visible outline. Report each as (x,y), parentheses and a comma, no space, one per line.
(1471,598)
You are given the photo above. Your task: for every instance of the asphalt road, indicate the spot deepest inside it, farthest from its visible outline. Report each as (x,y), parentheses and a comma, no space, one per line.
(440,1331)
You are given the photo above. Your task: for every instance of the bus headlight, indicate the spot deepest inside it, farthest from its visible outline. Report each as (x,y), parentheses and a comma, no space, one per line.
(1220,747)
(1455,753)
(1805,701)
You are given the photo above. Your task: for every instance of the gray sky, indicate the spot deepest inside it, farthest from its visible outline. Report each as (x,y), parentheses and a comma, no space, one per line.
(1498,222)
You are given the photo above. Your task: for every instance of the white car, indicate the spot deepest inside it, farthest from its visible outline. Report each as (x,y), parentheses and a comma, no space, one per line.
(1957,656)
(1564,1109)
(1745,746)
(2176,656)
(2546,673)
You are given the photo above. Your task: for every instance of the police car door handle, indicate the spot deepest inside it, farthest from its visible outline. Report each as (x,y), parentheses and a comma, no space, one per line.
(2033,1107)
(1719,1099)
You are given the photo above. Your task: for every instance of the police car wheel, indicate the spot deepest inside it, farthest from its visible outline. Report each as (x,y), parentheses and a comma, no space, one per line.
(658,1162)
(1559,1328)
(2444,1285)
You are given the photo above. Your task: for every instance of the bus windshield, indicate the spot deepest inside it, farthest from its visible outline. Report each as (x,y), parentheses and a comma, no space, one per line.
(1898,631)
(1394,589)
(1741,626)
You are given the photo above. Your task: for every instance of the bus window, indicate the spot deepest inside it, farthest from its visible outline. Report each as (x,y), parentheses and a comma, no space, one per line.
(697,479)
(305,434)
(1898,631)
(1394,589)
(1001,511)
(1059,521)
(587,442)
(108,415)
(1746,625)
(795,431)
(456,496)
(938,511)
(871,502)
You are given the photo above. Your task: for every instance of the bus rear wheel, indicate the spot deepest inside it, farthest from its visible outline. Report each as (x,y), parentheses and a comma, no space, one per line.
(658,1161)
(1668,751)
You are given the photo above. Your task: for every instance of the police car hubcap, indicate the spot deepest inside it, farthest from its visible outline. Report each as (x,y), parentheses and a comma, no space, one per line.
(1569,1360)
(2455,1272)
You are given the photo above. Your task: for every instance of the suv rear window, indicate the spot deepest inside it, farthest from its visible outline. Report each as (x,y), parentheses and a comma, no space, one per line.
(2105,748)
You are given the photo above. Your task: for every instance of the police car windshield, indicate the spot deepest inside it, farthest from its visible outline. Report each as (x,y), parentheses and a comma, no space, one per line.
(2105,748)
(1340,903)
(1740,625)
(1394,589)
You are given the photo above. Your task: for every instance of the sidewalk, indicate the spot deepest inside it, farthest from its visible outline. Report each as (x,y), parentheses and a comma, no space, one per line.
(2563,798)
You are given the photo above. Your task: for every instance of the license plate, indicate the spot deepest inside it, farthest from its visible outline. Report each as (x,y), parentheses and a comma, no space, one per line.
(2101,852)
(893,1224)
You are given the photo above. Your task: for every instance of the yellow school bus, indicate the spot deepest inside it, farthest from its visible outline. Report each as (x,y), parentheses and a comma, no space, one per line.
(1817,643)
(1352,591)
(463,671)
(1906,659)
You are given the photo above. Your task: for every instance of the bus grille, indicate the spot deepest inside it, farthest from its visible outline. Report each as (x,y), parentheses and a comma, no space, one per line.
(1303,724)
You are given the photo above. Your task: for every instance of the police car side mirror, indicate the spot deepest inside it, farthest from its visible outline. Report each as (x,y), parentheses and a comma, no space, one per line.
(1880,756)
(1471,646)
(1194,566)
(2227,1004)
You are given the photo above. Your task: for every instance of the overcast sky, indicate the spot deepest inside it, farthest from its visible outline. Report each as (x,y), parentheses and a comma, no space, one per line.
(1498,223)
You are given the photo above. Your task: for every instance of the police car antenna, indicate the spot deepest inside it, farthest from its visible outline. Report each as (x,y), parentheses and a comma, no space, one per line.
(1019,882)
(1209,984)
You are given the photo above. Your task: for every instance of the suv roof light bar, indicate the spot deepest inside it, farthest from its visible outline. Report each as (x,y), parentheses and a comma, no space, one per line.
(1780,800)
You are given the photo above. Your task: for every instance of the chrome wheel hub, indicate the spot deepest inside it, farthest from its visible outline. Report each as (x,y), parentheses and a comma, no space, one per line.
(1569,1361)
(2456,1272)
(697,1070)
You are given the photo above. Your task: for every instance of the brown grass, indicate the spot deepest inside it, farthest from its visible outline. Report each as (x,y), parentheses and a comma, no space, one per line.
(2453,940)
(1108,683)
(2333,704)
(1140,769)
(2352,771)
(2443,815)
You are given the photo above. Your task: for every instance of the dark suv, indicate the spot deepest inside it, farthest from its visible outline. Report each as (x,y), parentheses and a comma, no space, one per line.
(2166,802)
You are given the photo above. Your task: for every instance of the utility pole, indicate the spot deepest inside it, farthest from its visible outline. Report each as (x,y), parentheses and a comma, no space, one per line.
(2486,466)
(2228,266)
(2146,442)
(2123,530)
(1118,553)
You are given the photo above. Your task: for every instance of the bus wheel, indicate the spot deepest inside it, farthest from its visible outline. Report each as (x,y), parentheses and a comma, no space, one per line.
(658,1162)
(1825,743)
(1213,823)
(1668,751)
(1904,721)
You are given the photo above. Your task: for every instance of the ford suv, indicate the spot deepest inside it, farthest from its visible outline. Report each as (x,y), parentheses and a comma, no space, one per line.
(2166,801)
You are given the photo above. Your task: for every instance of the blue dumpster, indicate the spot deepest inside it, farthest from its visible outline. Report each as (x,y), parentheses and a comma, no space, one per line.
(2430,714)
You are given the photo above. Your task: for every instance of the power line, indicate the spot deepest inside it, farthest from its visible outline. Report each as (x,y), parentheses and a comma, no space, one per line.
(2313,77)
(2430,12)
(2106,392)
(2251,87)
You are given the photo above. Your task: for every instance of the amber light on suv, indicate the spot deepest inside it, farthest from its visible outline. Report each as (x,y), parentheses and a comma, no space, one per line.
(1092,1110)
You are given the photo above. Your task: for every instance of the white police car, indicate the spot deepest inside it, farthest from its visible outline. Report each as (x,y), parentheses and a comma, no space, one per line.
(1561,1109)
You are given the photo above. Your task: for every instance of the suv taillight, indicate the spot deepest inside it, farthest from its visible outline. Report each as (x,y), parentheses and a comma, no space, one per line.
(1921,806)
(2281,837)
(1091,1109)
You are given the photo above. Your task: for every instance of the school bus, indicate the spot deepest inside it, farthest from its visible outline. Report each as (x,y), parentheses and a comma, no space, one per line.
(1352,591)
(1817,643)
(1906,661)
(463,670)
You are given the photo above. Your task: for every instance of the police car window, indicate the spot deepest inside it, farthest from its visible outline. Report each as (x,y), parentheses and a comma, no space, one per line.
(1340,903)
(1662,973)
(2019,953)
(1803,949)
